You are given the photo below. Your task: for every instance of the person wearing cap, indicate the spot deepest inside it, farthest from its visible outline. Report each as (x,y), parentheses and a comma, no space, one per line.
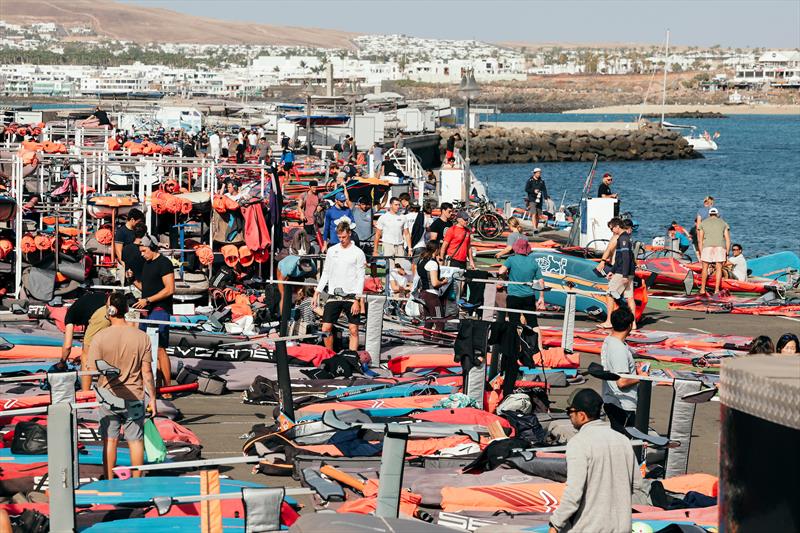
(157,286)
(343,276)
(363,215)
(456,247)
(623,268)
(338,210)
(620,396)
(714,241)
(602,473)
(392,237)
(604,190)
(522,268)
(702,214)
(307,207)
(536,191)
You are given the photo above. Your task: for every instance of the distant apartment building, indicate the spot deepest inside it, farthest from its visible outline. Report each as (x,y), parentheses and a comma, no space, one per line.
(779,68)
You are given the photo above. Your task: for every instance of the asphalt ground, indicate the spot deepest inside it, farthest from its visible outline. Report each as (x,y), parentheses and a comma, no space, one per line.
(220,421)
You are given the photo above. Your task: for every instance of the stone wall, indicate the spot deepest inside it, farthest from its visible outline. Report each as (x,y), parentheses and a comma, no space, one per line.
(500,145)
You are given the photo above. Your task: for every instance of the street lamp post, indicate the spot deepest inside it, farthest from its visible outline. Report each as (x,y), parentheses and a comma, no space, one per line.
(307,94)
(469,89)
(353,94)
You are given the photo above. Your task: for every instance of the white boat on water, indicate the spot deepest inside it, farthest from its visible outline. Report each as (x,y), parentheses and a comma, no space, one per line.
(700,143)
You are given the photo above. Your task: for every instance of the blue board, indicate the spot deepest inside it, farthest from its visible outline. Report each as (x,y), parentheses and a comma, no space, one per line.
(774,266)
(380,412)
(557,269)
(142,489)
(397,391)
(162,523)
(93,456)
(26,336)
(32,367)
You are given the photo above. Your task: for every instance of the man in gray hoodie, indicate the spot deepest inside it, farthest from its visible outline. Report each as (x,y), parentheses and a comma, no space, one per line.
(602,473)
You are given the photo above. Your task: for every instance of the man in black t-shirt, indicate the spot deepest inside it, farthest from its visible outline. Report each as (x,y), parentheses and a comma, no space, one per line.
(604,190)
(101,116)
(132,257)
(87,312)
(439,226)
(389,168)
(124,234)
(157,285)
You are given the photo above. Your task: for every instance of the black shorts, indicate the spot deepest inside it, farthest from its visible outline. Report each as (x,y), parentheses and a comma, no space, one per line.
(333,310)
(523,303)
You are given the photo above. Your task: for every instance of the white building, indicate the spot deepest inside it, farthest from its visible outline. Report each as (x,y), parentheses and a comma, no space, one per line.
(775,67)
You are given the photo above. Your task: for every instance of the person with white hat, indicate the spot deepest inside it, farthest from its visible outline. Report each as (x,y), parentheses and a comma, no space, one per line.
(536,191)
(714,240)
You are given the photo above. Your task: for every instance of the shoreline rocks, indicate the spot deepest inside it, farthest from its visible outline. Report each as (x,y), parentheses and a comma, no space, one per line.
(494,145)
(687,114)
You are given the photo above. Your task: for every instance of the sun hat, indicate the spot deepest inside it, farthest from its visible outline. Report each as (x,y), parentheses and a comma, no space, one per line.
(521,247)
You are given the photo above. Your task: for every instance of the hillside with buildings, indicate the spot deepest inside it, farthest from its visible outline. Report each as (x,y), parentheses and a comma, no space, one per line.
(70,51)
(90,19)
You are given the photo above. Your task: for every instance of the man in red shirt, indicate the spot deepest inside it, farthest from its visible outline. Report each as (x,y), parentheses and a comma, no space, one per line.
(457,244)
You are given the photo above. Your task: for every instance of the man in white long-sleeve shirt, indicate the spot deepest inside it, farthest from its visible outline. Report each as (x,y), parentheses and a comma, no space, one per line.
(343,270)
(602,473)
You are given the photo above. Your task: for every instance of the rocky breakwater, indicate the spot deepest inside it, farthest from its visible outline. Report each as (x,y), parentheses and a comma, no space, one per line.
(490,145)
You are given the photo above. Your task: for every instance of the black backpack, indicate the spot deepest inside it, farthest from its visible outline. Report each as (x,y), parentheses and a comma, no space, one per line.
(30,521)
(526,427)
(30,438)
(261,391)
(343,364)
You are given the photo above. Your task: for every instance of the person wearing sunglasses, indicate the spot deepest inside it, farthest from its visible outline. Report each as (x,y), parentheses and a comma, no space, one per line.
(604,190)
(737,263)
(602,472)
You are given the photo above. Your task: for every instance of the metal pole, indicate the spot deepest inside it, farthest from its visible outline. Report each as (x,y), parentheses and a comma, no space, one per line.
(467,180)
(285,401)
(664,91)
(308,124)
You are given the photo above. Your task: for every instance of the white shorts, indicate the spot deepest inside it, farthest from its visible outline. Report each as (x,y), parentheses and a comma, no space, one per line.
(620,285)
(714,254)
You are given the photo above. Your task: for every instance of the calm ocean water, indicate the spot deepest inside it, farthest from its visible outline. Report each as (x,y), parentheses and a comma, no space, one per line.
(755,177)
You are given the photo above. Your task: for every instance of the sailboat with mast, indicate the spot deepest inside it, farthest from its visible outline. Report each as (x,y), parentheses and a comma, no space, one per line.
(700,143)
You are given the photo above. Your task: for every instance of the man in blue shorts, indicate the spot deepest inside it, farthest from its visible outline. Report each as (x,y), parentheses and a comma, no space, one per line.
(157,286)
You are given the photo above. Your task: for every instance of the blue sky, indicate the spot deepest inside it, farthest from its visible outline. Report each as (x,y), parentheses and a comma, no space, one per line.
(737,23)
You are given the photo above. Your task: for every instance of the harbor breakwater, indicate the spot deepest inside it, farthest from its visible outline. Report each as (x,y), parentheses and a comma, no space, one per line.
(490,145)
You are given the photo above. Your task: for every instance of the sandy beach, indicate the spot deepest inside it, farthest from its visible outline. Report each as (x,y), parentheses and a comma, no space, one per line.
(744,109)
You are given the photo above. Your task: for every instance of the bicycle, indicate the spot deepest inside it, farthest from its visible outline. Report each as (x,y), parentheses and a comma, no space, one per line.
(484,219)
